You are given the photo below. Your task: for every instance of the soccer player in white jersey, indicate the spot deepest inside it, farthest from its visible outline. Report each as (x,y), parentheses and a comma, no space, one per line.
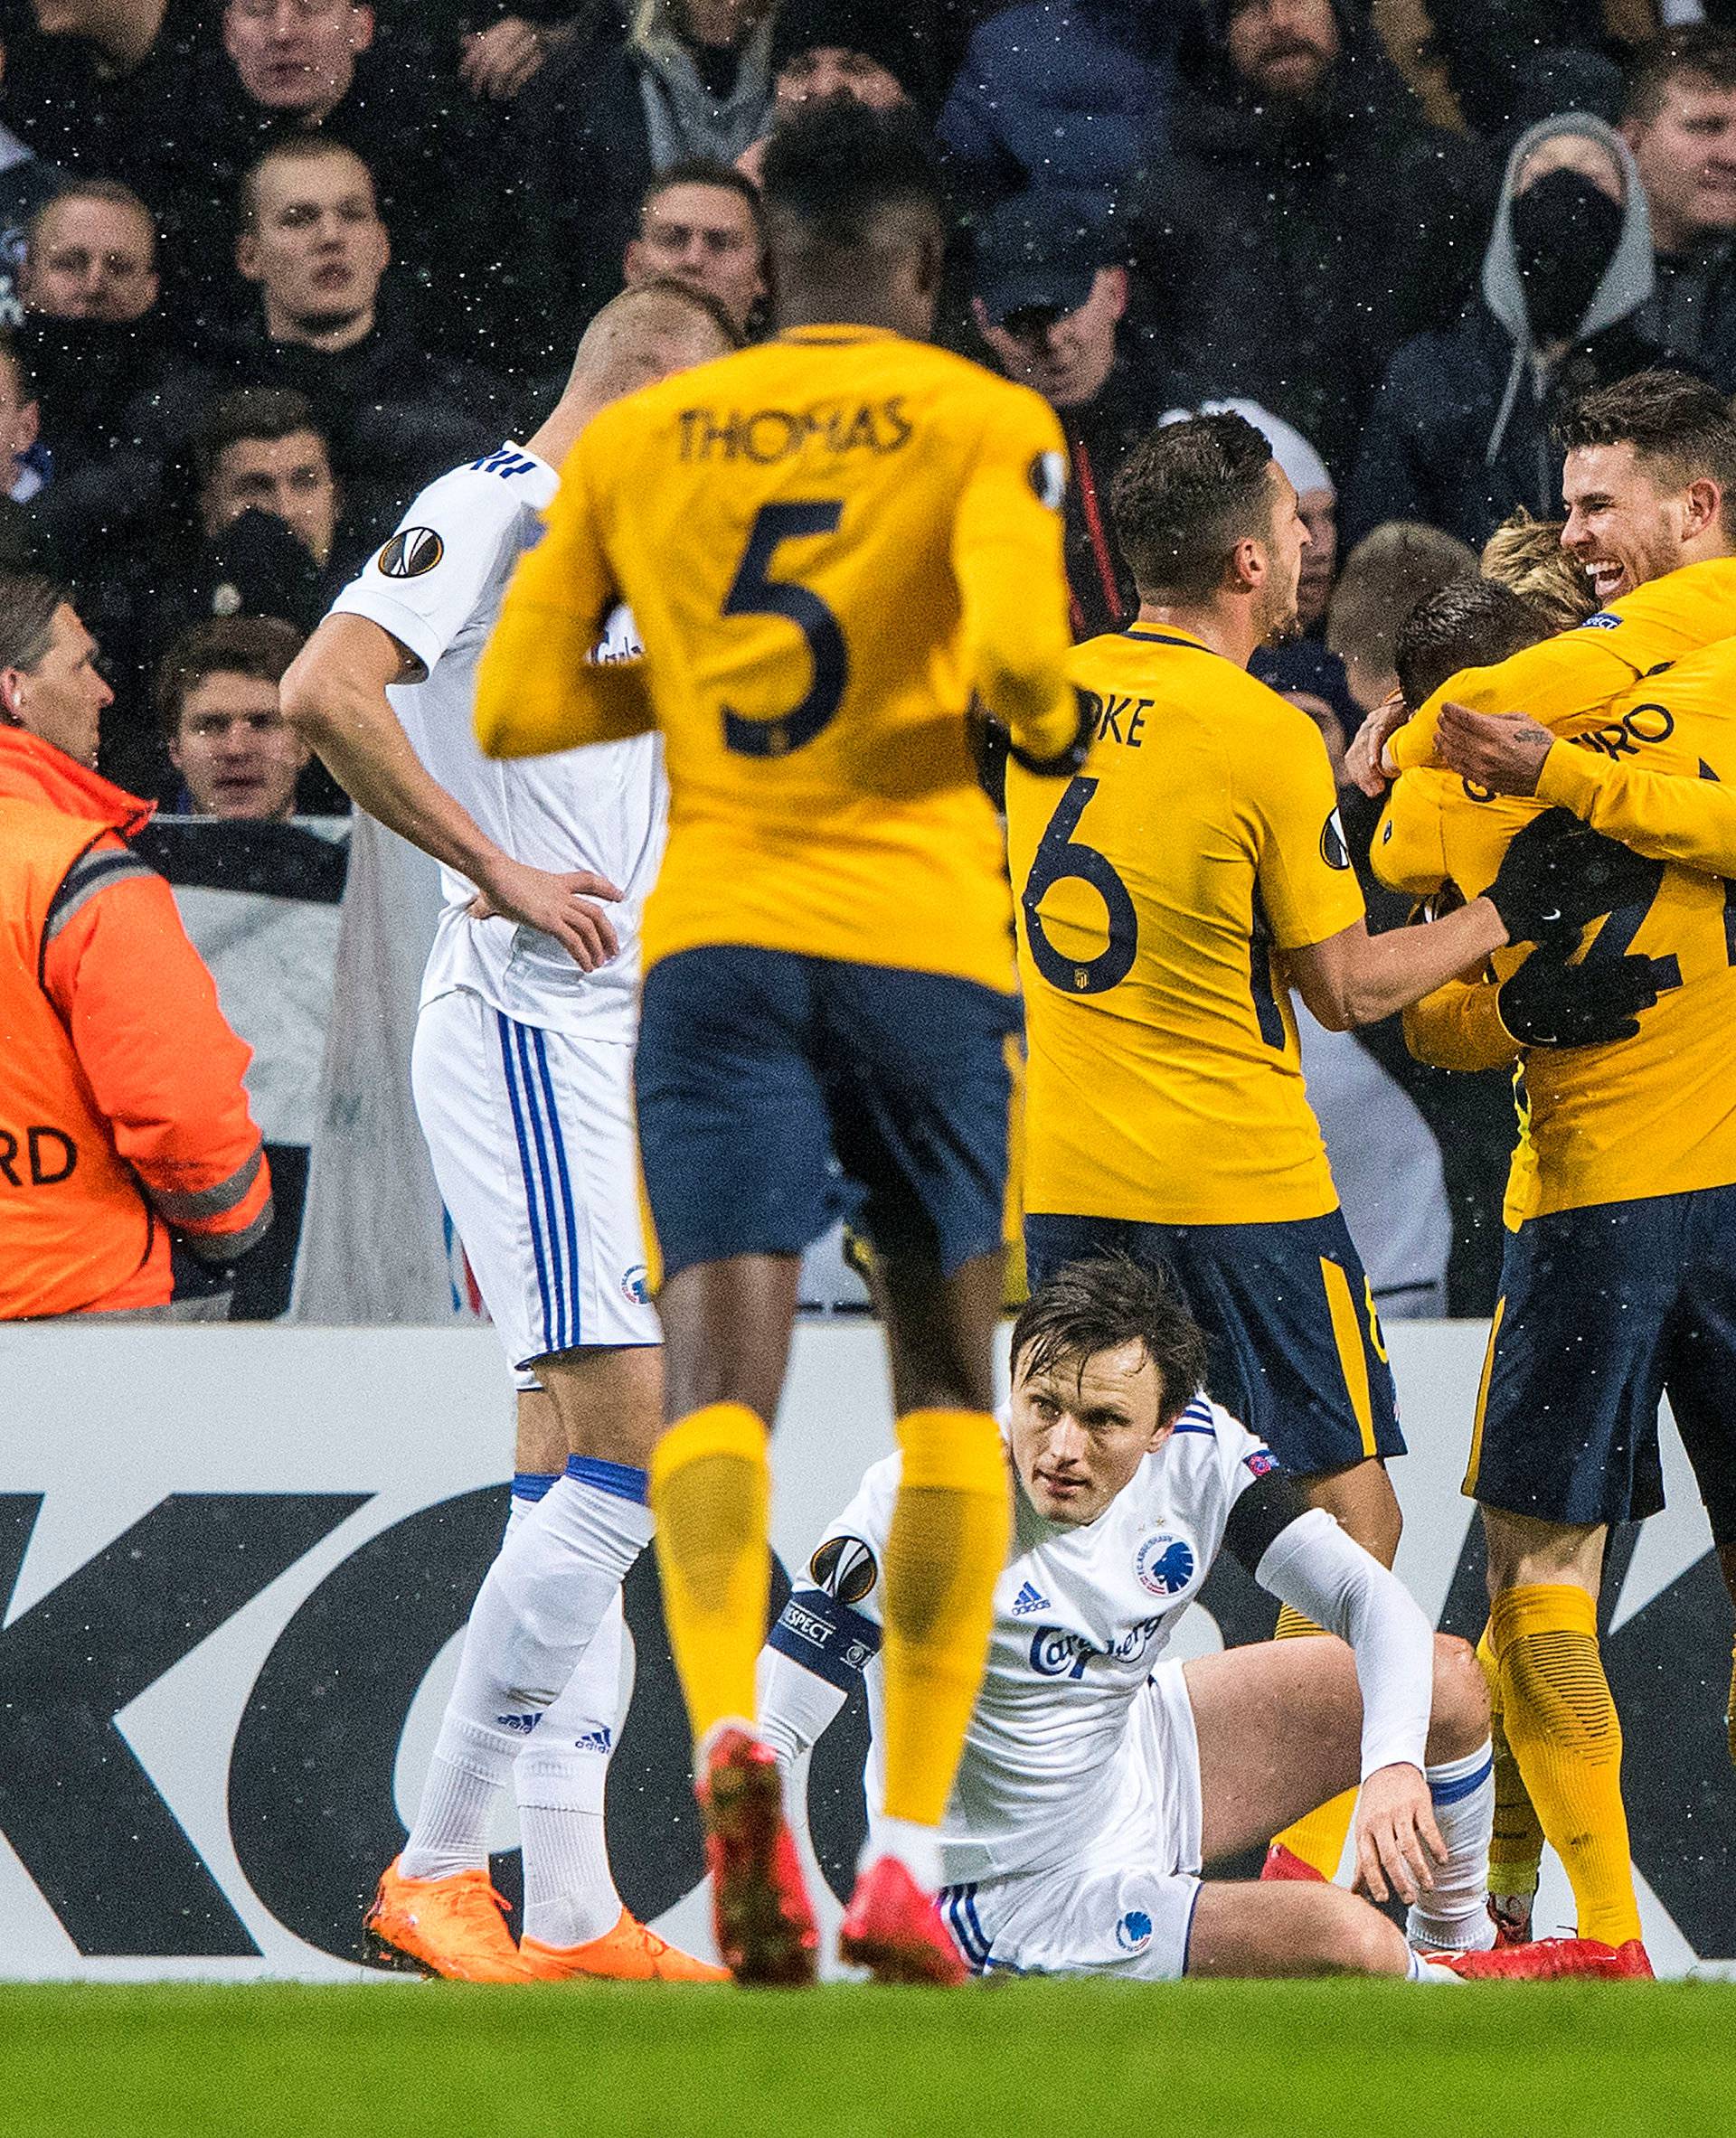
(522,1072)
(1099,1777)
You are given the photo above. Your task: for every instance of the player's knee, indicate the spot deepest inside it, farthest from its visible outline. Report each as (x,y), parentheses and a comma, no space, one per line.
(1354,1938)
(1459,1718)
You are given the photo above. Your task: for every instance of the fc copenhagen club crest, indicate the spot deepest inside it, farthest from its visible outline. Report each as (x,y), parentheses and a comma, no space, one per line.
(410,552)
(1164,1564)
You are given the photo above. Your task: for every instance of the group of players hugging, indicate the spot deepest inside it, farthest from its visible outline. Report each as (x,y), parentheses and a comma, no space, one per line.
(784,581)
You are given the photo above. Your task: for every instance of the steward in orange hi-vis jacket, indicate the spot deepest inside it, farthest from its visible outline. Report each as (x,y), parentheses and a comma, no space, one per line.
(124,1124)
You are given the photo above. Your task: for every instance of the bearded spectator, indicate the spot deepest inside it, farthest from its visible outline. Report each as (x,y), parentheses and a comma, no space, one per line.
(1310,221)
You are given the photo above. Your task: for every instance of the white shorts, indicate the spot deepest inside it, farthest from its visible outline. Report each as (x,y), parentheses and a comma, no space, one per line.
(531,1136)
(1127,1906)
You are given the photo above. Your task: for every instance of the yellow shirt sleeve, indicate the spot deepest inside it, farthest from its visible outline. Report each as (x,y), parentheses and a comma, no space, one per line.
(1306,884)
(1460,1027)
(1668,816)
(537,688)
(1560,679)
(1410,850)
(1007,558)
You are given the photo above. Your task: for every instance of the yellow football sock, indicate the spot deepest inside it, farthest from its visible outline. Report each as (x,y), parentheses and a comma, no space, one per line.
(1319,1837)
(1516,1844)
(711,1493)
(951,1527)
(1563,1730)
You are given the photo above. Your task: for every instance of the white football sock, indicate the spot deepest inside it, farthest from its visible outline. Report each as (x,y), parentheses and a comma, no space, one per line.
(917,1848)
(1432,1973)
(559,1780)
(1454,1916)
(538,1608)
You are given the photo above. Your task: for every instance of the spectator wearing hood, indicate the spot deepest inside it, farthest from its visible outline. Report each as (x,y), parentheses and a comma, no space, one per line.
(1680,121)
(1459,436)
(1050,296)
(1310,221)
(691,77)
(840,48)
(1068,97)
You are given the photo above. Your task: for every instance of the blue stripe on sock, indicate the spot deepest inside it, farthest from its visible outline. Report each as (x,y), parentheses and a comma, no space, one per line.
(1457,1791)
(524,1165)
(620,1481)
(575,1333)
(557,1321)
(531,1484)
(970,1898)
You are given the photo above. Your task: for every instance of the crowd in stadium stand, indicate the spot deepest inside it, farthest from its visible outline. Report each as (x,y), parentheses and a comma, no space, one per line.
(268,266)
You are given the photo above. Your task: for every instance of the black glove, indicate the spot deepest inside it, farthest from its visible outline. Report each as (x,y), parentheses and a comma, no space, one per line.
(1558,874)
(1066,762)
(1549,1004)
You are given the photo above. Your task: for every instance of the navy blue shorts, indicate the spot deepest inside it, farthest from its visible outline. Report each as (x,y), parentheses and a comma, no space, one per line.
(1604,1310)
(1293,1343)
(777,1094)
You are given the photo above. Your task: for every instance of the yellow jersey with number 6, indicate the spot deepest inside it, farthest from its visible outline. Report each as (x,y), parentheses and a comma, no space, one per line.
(829,544)
(1157,894)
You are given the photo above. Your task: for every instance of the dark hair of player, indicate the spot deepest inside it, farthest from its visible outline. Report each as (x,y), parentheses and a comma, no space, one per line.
(1470,624)
(260,646)
(28,600)
(836,168)
(1700,56)
(705,170)
(1683,426)
(1099,1305)
(268,413)
(1184,497)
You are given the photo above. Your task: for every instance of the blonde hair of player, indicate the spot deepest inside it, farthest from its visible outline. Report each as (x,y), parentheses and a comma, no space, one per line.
(1525,554)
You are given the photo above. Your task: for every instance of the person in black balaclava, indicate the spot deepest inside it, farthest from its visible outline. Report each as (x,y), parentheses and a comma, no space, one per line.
(1459,435)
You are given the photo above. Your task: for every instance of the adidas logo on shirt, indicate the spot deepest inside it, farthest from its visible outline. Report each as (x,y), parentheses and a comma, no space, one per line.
(1030,1598)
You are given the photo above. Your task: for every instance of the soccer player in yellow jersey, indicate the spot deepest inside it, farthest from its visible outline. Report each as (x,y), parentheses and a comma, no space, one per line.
(1624,1187)
(1652,523)
(1169,895)
(1650,480)
(829,544)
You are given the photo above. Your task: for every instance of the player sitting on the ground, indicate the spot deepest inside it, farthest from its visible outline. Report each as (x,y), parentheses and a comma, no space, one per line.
(521,1067)
(1096,1778)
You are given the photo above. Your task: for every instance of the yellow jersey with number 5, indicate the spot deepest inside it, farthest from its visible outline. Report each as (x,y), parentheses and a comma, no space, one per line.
(1157,894)
(829,544)
(1653,1114)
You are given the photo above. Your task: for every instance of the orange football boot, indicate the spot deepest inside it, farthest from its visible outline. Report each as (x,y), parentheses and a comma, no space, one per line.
(894,1928)
(628,1952)
(455,1926)
(764,1920)
(1633,1963)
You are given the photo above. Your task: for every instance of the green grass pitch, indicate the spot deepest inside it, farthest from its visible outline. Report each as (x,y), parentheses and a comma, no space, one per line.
(1050,2059)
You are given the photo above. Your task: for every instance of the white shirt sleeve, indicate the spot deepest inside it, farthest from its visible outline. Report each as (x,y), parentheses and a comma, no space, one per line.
(829,1631)
(1317,1570)
(425,584)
